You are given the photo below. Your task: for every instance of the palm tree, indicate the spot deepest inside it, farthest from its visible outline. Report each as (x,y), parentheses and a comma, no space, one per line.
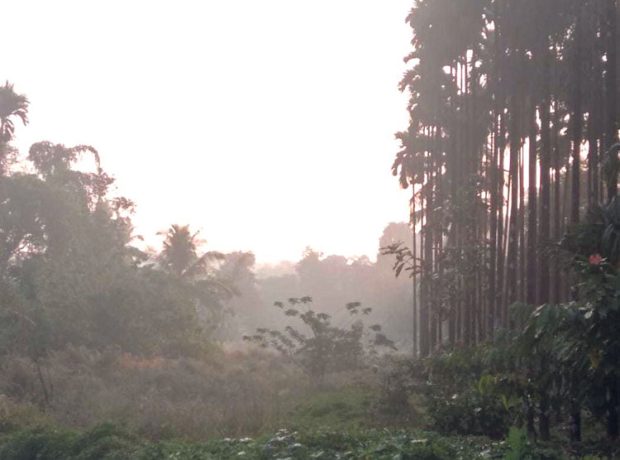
(195,274)
(180,249)
(180,253)
(11,105)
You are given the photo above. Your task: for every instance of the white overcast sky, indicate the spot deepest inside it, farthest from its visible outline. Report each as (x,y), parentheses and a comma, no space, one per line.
(267,124)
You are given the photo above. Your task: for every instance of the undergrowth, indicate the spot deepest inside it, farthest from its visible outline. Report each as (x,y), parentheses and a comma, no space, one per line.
(109,442)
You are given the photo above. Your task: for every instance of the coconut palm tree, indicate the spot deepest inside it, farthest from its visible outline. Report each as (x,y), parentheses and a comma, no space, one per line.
(180,253)
(196,274)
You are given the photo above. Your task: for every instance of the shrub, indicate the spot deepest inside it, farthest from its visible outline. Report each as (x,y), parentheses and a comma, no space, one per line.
(318,346)
(40,444)
(457,397)
(400,383)
(475,410)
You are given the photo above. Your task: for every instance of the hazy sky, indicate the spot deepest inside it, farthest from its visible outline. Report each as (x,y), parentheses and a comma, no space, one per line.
(268,124)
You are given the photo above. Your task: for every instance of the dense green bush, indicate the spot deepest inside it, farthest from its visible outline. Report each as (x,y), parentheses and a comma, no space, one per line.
(105,442)
(470,412)
(456,394)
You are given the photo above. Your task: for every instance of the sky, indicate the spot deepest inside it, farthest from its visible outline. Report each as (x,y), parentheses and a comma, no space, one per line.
(267,125)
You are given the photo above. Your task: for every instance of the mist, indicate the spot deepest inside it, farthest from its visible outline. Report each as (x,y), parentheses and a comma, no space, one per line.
(269,230)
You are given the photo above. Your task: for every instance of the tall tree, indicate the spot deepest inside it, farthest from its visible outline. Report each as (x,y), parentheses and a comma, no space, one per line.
(12,105)
(503,100)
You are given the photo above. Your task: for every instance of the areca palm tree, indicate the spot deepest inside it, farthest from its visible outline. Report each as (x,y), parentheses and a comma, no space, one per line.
(12,105)
(479,97)
(505,93)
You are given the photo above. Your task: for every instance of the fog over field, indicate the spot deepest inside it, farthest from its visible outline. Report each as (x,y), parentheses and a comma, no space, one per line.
(310,230)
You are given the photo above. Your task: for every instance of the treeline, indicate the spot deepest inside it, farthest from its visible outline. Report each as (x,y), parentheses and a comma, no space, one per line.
(331,280)
(513,107)
(94,328)
(512,158)
(70,271)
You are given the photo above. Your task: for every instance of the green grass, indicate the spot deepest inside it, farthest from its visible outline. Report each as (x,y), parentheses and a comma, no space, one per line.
(343,409)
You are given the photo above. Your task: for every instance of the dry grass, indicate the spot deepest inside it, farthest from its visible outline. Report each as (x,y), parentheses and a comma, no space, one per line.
(229,393)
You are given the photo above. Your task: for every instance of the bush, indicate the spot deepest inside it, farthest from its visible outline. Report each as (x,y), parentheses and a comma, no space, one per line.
(457,397)
(40,444)
(462,399)
(400,384)
(473,411)
(104,442)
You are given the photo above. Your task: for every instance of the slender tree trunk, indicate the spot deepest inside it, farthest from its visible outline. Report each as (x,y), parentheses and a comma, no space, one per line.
(612,407)
(426,276)
(532,198)
(501,250)
(530,418)
(492,296)
(44,389)
(557,207)
(545,184)
(543,418)
(575,422)
(576,123)
(414,278)
(522,243)
(512,258)
(611,129)
(453,173)
(431,245)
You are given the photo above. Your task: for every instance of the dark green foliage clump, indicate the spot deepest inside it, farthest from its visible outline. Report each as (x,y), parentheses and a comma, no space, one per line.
(470,412)
(458,395)
(105,442)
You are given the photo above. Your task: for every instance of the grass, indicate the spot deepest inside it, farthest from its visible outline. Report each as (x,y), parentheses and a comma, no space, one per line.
(347,408)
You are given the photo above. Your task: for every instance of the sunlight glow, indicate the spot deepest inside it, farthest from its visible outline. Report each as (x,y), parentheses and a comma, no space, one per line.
(269,125)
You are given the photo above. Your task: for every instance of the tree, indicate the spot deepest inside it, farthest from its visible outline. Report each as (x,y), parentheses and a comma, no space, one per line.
(12,105)
(503,100)
(196,273)
(179,254)
(318,346)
